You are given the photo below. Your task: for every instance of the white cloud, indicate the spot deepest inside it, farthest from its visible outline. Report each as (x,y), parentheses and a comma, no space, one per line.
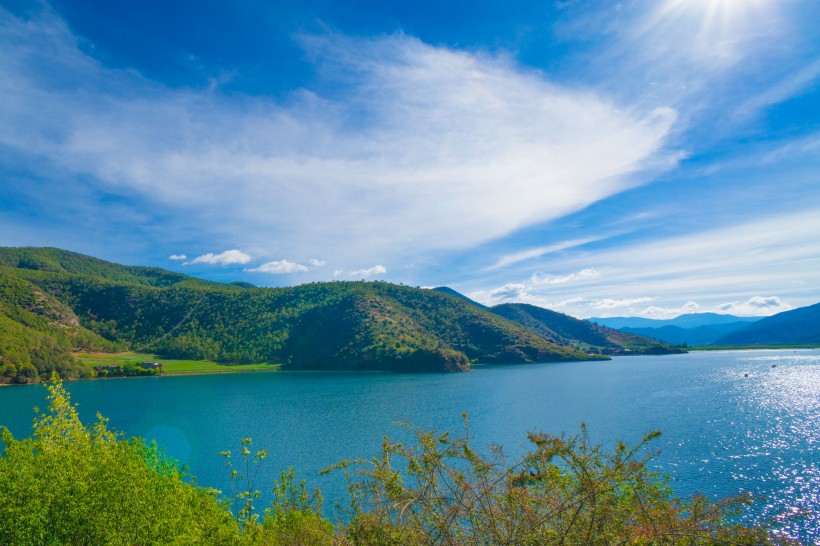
(533,292)
(365,273)
(584,275)
(756,306)
(657,312)
(224,258)
(338,272)
(279,267)
(610,303)
(512,292)
(443,147)
(177,257)
(317,263)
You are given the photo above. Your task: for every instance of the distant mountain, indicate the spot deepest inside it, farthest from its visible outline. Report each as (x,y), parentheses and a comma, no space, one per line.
(692,320)
(798,326)
(567,330)
(54,301)
(693,329)
(701,335)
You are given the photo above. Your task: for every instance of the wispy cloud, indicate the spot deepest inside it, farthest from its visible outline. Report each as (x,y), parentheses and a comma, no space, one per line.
(529,254)
(279,267)
(177,257)
(584,275)
(792,85)
(779,255)
(444,147)
(223,258)
(609,303)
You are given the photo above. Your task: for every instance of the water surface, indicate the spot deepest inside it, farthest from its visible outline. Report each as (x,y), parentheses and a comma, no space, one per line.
(732,422)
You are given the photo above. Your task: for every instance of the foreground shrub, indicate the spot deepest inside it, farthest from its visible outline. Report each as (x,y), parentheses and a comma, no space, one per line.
(564,491)
(69,484)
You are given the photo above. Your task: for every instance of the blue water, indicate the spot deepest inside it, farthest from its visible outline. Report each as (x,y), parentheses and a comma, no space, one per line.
(723,433)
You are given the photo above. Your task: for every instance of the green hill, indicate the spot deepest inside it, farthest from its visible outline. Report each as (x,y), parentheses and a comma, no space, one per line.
(64,300)
(57,261)
(566,330)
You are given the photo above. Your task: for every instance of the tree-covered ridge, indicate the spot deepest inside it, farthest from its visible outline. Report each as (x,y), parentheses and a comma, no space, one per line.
(55,260)
(74,302)
(581,334)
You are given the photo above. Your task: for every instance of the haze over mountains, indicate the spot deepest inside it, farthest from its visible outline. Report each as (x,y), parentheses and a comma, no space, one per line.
(691,320)
(795,327)
(53,302)
(692,329)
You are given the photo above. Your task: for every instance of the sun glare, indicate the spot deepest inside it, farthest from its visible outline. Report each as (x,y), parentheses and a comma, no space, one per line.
(715,18)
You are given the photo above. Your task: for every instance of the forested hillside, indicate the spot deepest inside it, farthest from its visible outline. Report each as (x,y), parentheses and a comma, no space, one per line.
(53,301)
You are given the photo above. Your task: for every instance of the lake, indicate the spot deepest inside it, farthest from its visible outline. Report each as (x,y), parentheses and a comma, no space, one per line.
(732,421)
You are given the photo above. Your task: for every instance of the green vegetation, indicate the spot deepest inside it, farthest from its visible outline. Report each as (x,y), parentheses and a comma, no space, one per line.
(564,491)
(53,302)
(72,484)
(169,366)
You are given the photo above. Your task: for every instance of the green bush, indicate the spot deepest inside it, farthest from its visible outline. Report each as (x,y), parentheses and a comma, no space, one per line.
(69,484)
(565,491)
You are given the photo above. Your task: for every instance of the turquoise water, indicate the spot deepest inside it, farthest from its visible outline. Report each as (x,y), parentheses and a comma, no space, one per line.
(723,432)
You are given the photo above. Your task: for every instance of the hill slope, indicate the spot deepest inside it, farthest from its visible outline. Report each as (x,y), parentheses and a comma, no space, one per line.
(582,334)
(95,304)
(798,326)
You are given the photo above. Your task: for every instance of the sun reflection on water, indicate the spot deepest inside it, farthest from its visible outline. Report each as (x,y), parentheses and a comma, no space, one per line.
(780,396)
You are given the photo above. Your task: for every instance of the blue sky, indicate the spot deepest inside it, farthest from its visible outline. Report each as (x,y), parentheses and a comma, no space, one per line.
(597,158)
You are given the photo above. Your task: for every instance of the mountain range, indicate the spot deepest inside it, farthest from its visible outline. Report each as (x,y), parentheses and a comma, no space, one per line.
(54,302)
(796,327)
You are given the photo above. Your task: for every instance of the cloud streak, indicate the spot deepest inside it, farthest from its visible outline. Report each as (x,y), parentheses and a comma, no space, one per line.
(777,255)
(445,148)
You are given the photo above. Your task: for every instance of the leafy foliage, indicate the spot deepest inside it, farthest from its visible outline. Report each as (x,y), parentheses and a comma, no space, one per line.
(564,491)
(69,484)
